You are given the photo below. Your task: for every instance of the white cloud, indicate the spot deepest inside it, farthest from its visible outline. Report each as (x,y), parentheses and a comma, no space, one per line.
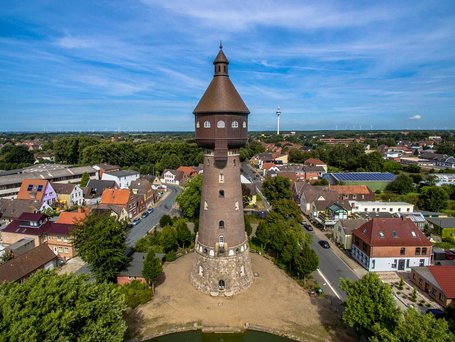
(69,42)
(415,117)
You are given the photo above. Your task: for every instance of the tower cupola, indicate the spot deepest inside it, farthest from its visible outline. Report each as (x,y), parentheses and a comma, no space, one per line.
(221,63)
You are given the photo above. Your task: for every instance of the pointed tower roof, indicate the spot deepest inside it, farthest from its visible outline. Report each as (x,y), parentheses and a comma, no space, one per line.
(221,95)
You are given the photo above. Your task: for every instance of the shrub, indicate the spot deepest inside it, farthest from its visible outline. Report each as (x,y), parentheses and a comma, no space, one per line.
(401,284)
(136,293)
(171,256)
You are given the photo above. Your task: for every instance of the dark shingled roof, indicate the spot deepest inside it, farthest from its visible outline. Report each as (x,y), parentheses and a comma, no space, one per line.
(27,263)
(221,95)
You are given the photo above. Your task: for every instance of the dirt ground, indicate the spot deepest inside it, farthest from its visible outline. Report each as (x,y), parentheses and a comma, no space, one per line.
(274,303)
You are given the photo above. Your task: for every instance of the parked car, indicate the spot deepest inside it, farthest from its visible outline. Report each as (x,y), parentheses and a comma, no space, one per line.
(436,313)
(136,221)
(308,226)
(144,214)
(324,243)
(150,210)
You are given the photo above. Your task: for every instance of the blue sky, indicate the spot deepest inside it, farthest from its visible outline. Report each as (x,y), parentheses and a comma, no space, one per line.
(143,65)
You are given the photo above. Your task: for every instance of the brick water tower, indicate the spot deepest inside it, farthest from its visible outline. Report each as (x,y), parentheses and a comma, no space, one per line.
(222,262)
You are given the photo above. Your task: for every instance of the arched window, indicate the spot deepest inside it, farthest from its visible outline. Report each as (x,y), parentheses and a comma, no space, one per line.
(221,226)
(221,193)
(206,124)
(221,285)
(221,240)
(224,68)
(235,124)
(221,178)
(220,124)
(244,124)
(198,125)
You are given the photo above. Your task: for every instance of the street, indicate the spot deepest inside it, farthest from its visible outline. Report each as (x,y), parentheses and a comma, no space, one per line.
(331,268)
(147,223)
(250,173)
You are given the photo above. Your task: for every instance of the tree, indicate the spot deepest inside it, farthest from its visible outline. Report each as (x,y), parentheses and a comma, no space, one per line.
(401,185)
(248,227)
(61,308)
(277,187)
(413,326)
(369,302)
(189,199)
(152,268)
(168,238)
(165,220)
(433,198)
(184,236)
(84,179)
(100,241)
(17,154)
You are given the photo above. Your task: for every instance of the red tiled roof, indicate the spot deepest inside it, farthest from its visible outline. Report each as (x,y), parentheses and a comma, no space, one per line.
(24,194)
(313,161)
(115,196)
(445,276)
(68,217)
(351,189)
(391,232)
(187,170)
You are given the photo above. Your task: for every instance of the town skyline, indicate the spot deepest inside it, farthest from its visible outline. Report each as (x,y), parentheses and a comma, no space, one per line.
(142,66)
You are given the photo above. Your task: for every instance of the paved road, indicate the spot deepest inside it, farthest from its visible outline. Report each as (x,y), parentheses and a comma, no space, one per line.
(146,224)
(251,174)
(331,269)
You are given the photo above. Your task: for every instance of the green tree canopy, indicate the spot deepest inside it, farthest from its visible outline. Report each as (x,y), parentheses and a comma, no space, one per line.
(165,220)
(401,185)
(100,241)
(17,154)
(152,268)
(184,236)
(51,307)
(275,188)
(433,198)
(84,179)
(369,302)
(189,199)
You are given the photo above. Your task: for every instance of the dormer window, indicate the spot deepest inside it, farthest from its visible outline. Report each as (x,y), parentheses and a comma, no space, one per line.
(206,124)
(235,124)
(220,124)
(30,187)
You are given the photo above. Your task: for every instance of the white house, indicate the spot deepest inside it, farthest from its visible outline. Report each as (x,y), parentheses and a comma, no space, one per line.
(172,177)
(371,206)
(390,244)
(123,178)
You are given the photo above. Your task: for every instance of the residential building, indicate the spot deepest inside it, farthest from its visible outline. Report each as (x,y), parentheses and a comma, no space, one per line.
(188,172)
(438,282)
(443,226)
(313,173)
(38,227)
(11,209)
(94,190)
(68,194)
(103,167)
(353,192)
(393,244)
(443,178)
(23,266)
(415,217)
(144,193)
(342,231)
(316,162)
(20,247)
(133,271)
(172,177)
(123,178)
(313,199)
(372,206)
(120,198)
(37,189)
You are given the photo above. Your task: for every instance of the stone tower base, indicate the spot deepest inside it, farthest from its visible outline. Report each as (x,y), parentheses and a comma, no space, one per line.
(222,276)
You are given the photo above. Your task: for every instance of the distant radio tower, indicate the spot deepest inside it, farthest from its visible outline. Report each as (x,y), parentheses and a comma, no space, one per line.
(278,112)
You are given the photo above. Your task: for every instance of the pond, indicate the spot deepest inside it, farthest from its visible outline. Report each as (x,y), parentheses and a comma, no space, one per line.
(197,336)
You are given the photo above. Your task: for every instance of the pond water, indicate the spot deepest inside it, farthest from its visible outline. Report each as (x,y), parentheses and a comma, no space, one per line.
(197,336)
